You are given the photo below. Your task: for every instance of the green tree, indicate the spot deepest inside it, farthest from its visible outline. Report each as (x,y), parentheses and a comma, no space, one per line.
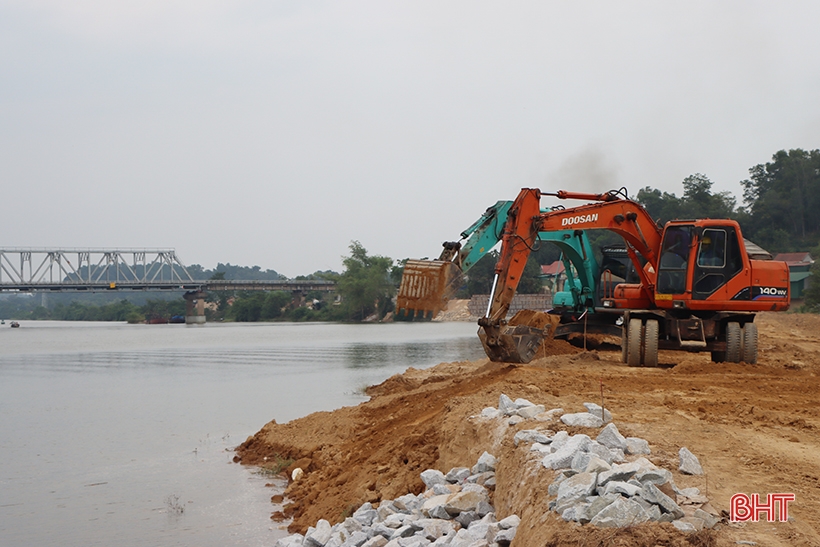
(480,277)
(697,201)
(248,307)
(365,285)
(782,198)
(274,304)
(661,206)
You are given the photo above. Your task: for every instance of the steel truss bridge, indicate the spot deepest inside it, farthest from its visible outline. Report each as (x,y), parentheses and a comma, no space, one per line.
(94,270)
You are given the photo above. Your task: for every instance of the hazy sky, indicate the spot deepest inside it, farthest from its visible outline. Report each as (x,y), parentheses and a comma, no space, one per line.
(274,133)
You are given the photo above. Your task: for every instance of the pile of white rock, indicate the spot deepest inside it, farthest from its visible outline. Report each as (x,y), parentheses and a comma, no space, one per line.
(595,483)
(454,511)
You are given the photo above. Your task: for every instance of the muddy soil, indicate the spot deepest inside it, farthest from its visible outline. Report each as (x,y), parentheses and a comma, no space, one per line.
(754,428)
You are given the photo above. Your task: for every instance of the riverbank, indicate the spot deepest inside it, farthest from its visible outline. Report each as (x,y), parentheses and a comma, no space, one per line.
(754,428)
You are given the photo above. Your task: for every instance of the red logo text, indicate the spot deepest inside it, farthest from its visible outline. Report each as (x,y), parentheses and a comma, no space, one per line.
(752,508)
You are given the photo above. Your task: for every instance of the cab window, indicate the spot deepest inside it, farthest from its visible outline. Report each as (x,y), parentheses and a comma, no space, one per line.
(674,256)
(712,249)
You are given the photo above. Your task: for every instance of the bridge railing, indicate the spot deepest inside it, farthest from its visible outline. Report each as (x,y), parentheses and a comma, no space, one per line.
(90,267)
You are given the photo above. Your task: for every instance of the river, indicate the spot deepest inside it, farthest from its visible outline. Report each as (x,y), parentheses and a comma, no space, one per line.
(115,434)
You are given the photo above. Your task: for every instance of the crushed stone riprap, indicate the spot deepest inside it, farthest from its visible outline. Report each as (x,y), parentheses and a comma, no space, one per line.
(455,510)
(607,481)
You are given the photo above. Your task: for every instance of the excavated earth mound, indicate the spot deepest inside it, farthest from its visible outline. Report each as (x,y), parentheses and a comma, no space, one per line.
(753,427)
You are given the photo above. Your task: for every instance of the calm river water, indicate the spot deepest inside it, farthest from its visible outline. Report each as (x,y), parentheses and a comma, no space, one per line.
(114,434)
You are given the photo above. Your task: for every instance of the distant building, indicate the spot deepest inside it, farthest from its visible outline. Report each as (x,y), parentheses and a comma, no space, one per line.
(553,276)
(799,271)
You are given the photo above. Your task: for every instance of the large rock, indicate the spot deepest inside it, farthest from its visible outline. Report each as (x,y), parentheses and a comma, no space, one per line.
(529,412)
(365,514)
(405,531)
(558,440)
(618,487)
(432,503)
(408,503)
(491,413)
(457,475)
(509,522)
(580,461)
(689,463)
(596,465)
(655,476)
(624,471)
(598,504)
(635,445)
(684,526)
(486,462)
(621,512)
(356,539)
(709,520)
(531,436)
(582,419)
(562,457)
(610,437)
(594,409)
(651,494)
(506,405)
(574,489)
(432,529)
(439,512)
(431,477)
(318,536)
(295,540)
(464,501)
(600,451)
(505,536)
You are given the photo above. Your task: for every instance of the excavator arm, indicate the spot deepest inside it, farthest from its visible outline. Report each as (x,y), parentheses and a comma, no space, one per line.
(519,343)
(427,285)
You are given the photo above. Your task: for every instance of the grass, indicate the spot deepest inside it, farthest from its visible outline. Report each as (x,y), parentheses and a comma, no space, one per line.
(275,465)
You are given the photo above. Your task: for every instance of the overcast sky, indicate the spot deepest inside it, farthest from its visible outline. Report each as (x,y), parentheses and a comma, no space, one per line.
(274,133)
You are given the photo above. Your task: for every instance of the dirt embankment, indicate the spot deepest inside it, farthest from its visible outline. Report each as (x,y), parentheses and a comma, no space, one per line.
(754,428)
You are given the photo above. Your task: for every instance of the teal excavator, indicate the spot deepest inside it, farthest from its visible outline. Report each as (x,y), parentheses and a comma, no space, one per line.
(427,285)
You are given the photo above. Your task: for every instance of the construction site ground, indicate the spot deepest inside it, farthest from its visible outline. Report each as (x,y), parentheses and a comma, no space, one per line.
(754,428)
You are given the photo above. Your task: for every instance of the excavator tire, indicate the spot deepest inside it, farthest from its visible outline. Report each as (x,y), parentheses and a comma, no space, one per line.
(650,345)
(718,356)
(750,343)
(734,339)
(624,344)
(634,338)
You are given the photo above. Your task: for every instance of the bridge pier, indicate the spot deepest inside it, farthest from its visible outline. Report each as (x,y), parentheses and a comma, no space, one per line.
(194,308)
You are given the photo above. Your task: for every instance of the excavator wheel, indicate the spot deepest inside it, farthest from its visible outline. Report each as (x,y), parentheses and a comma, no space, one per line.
(650,345)
(624,343)
(749,353)
(734,340)
(634,340)
(718,356)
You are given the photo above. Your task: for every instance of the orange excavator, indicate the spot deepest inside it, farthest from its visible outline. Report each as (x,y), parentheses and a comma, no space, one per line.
(699,287)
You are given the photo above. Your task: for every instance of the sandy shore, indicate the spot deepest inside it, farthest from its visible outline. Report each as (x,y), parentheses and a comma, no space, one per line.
(754,428)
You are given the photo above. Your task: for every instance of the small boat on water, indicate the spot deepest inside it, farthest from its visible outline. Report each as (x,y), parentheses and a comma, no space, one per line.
(15,325)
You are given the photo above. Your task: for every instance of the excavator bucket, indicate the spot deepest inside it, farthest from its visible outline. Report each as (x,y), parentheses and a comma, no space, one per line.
(426,286)
(520,339)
